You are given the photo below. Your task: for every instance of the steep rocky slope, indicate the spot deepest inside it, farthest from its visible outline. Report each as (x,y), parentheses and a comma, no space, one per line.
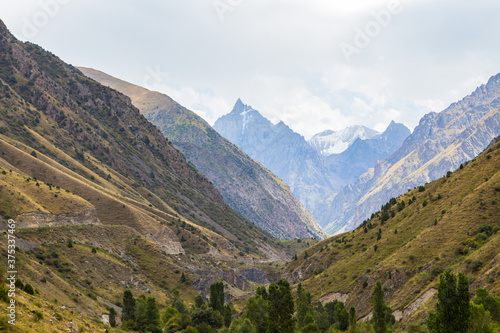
(79,162)
(450,223)
(248,187)
(440,143)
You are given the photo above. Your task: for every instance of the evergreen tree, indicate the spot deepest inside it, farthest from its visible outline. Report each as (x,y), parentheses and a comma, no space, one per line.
(257,311)
(112,316)
(198,301)
(304,306)
(180,306)
(310,328)
(341,317)
(352,320)
(281,308)
(330,311)
(452,308)
(321,317)
(217,296)
(152,315)
(228,315)
(261,291)
(128,311)
(378,309)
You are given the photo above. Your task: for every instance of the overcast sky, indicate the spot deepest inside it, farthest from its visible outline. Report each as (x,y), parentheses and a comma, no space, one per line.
(315,64)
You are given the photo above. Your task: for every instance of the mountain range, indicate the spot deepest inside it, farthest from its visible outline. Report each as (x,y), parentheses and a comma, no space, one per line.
(105,201)
(314,177)
(246,186)
(440,143)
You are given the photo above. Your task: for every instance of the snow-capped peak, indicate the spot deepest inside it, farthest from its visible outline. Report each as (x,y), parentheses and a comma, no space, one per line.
(335,142)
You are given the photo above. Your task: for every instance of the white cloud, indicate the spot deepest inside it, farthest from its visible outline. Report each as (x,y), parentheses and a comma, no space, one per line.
(282,56)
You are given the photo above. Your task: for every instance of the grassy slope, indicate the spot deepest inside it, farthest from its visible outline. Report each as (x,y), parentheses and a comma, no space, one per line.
(90,146)
(427,237)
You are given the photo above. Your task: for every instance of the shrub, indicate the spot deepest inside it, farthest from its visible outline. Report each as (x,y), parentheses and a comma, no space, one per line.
(475,265)
(38,315)
(421,188)
(435,271)
(481,237)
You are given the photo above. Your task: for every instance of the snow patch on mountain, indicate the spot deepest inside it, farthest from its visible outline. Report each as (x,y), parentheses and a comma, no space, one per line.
(335,142)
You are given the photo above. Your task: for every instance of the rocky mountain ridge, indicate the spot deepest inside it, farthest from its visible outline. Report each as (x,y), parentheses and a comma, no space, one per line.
(247,186)
(440,143)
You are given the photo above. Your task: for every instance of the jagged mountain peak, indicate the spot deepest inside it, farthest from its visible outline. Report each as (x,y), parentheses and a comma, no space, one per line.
(240,107)
(395,130)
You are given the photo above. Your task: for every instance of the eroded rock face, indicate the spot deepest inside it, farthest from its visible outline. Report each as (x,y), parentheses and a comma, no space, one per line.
(254,275)
(168,241)
(40,219)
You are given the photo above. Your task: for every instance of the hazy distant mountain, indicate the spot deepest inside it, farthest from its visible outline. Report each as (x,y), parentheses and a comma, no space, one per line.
(314,179)
(248,187)
(286,153)
(440,143)
(362,155)
(335,142)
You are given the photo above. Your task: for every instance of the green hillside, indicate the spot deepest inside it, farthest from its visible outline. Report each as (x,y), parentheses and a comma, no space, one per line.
(451,223)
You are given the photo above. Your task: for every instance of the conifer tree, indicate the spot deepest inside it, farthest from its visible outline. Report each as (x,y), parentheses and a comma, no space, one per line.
(281,308)
(378,309)
(128,311)
(304,306)
(257,311)
(152,315)
(198,301)
(452,308)
(112,316)
(217,296)
(352,320)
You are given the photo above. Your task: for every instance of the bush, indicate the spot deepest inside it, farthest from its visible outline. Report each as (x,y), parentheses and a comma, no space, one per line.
(19,284)
(435,271)
(421,188)
(481,237)
(38,315)
(475,265)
